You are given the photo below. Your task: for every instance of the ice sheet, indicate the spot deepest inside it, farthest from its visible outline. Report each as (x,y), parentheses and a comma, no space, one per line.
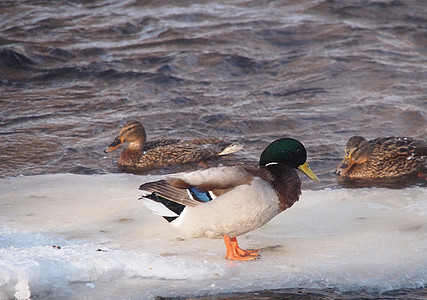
(76,236)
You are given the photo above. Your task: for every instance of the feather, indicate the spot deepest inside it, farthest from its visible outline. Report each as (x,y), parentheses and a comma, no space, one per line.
(219,178)
(163,190)
(231,149)
(201,196)
(158,208)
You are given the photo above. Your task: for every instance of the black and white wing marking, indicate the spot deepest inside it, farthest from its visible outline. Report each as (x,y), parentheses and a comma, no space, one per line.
(168,201)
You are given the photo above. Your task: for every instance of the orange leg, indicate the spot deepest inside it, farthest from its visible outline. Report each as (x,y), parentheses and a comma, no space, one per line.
(236,253)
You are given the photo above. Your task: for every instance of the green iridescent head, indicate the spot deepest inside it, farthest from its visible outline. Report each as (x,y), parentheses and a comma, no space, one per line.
(289,152)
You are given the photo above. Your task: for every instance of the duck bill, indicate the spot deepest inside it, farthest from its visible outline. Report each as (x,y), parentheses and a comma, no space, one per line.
(345,165)
(114,145)
(305,168)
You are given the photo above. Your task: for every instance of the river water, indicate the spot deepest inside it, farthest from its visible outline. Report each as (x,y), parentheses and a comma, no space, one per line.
(72,72)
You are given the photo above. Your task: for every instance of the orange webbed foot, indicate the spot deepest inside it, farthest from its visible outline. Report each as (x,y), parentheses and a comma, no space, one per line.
(234,252)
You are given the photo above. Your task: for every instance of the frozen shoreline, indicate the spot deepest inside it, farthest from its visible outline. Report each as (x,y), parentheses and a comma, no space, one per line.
(110,245)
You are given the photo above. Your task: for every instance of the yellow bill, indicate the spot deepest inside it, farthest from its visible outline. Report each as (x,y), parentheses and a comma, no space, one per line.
(305,168)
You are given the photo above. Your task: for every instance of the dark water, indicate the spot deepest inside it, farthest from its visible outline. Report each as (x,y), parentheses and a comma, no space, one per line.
(72,72)
(313,294)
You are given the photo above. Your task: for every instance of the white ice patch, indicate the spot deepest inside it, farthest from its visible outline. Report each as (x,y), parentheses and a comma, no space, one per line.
(89,236)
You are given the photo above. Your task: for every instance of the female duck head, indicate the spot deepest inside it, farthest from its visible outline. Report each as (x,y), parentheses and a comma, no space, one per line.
(133,132)
(289,152)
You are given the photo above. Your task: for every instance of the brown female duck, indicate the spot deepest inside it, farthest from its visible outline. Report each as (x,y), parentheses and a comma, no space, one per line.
(143,154)
(384,157)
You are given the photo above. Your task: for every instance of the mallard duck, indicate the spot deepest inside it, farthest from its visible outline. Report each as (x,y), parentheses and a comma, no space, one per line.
(143,154)
(225,202)
(383,157)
